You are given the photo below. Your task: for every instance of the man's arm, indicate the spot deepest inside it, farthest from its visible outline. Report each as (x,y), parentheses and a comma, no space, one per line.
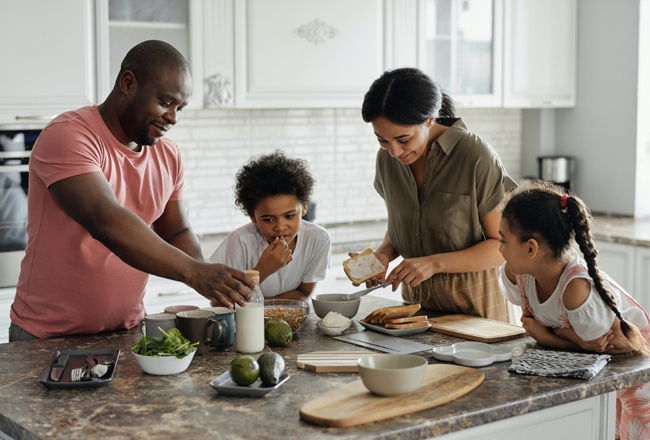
(90,201)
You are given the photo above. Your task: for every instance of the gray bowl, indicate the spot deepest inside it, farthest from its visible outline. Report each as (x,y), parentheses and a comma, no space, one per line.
(335,302)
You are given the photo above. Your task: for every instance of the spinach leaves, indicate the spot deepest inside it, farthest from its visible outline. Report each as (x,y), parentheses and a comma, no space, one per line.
(173,344)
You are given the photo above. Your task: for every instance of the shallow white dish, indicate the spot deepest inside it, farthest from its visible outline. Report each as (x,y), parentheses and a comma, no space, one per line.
(225,385)
(472,354)
(394,331)
(164,365)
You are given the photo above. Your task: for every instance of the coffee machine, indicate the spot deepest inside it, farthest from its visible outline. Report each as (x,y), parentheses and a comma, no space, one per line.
(559,170)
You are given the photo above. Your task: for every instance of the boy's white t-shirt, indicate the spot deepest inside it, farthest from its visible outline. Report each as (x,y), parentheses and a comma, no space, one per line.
(243,247)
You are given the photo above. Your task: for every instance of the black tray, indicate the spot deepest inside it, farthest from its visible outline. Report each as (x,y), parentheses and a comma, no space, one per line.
(78,360)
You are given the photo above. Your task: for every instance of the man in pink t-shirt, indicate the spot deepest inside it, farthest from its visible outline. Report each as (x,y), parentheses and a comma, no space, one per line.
(105,208)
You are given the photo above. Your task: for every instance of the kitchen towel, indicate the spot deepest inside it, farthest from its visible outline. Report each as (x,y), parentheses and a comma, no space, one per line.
(560,364)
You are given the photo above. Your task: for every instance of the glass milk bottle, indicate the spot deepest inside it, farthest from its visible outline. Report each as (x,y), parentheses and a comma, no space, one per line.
(249,320)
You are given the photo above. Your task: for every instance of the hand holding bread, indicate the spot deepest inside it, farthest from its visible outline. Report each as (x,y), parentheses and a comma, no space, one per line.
(365,266)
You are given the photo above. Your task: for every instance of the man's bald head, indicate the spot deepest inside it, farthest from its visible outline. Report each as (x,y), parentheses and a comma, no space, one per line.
(149,58)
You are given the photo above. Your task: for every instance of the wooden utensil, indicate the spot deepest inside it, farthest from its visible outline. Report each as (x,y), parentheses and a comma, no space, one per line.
(353,404)
(331,361)
(475,328)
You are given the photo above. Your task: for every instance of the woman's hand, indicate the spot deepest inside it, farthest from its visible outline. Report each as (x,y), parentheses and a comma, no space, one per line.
(411,271)
(385,261)
(276,255)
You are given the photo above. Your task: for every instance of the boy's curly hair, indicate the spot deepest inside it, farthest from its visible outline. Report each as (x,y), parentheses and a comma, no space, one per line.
(272,175)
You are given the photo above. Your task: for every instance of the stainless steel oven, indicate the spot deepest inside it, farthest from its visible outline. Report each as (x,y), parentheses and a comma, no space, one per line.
(15,148)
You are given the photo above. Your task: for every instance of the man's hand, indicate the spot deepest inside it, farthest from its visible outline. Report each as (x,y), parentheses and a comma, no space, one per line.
(223,285)
(276,255)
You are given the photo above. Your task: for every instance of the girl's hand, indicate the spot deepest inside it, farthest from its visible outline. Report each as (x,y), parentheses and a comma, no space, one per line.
(411,271)
(535,330)
(275,257)
(599,345)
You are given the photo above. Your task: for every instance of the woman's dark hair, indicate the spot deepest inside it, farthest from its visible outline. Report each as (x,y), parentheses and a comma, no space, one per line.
(406,96)
(536,212)
(272,175)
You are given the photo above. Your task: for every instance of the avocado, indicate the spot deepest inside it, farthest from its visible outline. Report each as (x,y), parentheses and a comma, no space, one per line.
(277,332)
(271,368)
(244,370)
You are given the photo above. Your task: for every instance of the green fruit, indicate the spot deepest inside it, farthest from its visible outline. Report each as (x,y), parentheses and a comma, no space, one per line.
(244,370)
(277,332)
(271,368)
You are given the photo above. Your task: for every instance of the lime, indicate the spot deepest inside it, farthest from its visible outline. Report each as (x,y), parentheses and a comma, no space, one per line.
(277,332)
(244,370)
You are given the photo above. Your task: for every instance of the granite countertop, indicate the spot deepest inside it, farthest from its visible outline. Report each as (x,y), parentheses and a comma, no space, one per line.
(357,236)
(138,405)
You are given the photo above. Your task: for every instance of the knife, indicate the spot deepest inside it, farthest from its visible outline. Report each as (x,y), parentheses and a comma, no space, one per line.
(59,366)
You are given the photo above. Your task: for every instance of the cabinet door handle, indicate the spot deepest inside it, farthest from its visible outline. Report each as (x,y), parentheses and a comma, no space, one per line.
(35,118)
(176,292)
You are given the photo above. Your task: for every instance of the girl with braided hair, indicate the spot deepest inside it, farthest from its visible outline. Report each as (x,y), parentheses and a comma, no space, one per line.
(567,302)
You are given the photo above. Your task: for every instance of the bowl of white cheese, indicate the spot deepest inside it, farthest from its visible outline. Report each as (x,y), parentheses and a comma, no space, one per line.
(334,324)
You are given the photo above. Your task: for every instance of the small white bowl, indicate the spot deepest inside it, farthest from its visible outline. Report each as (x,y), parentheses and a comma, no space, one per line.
(333,331)
(392,374)
(164,365)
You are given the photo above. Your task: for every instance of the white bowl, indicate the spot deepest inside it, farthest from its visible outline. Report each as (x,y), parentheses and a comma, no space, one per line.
(333,331)
(335,302)
(164,365)
(392,374)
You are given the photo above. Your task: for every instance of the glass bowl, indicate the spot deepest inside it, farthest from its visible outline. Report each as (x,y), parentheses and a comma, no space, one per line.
(293,311)
(334,331)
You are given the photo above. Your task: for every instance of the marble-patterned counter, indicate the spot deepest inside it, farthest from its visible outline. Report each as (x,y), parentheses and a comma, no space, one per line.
(136,405)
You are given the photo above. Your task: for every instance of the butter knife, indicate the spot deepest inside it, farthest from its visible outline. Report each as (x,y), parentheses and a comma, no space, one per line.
(59,366)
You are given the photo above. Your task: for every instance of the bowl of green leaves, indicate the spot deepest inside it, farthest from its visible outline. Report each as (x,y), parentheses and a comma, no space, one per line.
(171,354)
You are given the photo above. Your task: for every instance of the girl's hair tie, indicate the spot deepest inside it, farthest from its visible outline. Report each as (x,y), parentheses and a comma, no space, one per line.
(563,200)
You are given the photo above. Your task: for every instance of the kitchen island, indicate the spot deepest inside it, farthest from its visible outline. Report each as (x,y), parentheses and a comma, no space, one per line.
(138,405)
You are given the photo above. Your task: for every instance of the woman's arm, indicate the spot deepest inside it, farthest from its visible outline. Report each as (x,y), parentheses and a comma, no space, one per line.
(481,256)
(302,292)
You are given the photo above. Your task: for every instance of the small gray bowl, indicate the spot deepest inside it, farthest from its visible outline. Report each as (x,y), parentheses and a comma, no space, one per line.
(335,302)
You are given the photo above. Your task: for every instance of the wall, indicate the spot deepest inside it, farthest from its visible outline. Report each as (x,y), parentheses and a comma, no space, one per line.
(642,196)
(339,146)
(601,130)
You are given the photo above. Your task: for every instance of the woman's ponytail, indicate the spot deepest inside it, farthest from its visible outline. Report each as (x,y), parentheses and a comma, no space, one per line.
(447,109)
(580,221)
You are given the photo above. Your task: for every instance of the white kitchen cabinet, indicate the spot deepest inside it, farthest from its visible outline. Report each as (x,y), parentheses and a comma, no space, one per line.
(306,53)
(540,53)
(642,276)
(460,47)
(593,418)
(617,260)
(123,24)
(162,293)
(48,57)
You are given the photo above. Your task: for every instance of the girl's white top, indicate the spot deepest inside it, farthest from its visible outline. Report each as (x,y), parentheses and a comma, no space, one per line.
(243,247)
(590,320)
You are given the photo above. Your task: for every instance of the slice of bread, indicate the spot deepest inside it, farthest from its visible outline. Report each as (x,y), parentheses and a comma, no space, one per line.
(405,320)
(363,267)
(393,312)
(409,324)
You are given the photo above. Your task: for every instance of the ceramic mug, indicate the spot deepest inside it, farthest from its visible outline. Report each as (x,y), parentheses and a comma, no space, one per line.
(197,326)
(227,318)
(176,309)
(148,326)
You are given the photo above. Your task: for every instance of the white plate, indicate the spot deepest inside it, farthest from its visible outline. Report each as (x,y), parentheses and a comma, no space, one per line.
(472,354)
(225,385)
(394,331)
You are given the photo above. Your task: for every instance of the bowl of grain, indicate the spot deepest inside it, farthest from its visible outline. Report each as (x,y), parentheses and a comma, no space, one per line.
(293,311)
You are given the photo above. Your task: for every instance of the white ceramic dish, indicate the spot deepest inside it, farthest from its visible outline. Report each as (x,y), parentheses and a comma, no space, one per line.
(225,385)
(392,374)
(164,365)
(394,331)
(333,331)
(472,354)
(324,303)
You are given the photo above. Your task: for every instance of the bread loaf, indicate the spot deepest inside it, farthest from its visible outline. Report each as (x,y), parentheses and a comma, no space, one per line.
(405,320)
(409,324)
(363,267)
(379,316)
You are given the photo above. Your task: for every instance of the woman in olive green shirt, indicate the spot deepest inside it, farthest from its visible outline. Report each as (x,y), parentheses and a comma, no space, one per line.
(442,186)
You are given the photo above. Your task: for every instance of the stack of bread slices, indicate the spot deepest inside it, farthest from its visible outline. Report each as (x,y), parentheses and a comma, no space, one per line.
(397,317)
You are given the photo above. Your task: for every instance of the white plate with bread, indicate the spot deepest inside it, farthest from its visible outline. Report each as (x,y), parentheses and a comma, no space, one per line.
(396,320)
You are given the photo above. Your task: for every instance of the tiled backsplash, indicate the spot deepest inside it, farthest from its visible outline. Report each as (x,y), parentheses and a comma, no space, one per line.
(339,146)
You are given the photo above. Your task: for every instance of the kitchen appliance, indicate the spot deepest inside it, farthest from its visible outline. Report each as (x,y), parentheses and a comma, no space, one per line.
(352,404)
(15,149)
(559,170)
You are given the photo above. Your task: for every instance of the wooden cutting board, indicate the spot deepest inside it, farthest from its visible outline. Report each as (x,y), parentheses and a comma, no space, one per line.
(331,361)
(475,328)
(353,404)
